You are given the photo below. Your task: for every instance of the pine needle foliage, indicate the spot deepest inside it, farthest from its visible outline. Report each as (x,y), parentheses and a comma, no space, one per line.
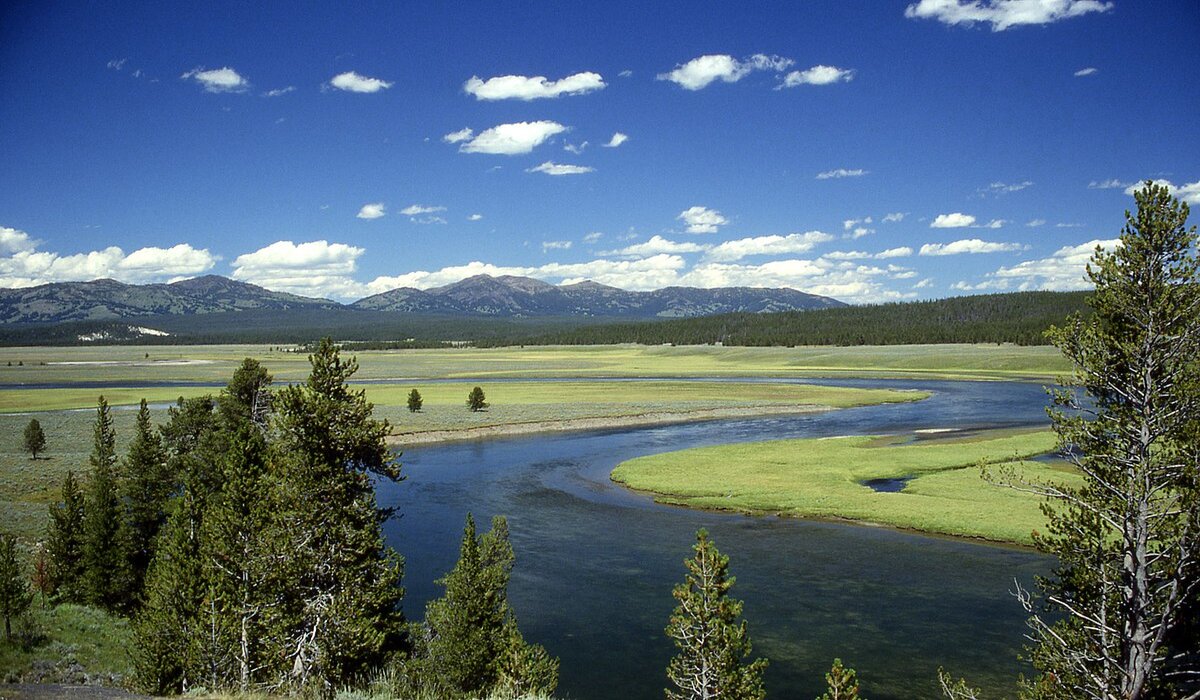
(712,643)
(64,543)
(34,438)
(107,580)
(15,595)
(841,683)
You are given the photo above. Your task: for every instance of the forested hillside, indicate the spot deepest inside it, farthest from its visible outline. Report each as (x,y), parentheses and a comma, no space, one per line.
(1020,317)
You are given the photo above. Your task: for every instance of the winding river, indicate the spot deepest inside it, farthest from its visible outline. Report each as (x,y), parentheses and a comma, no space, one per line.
(596,562)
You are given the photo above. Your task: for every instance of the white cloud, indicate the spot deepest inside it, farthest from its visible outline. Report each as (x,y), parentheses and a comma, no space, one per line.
(923,284)
(955,220)
(626,73)
(818,75)
(839,173)
(969,245)
(844,280)
(555,245)
(699,72)
(847,255)
(418,209)
(475,217)
(894,217)
(353,82)
(1064,270)
(617,139)
(593,237)
(373,210)
(648,273)
(279,91)
(702,219)
(506,139)
(851,223)
(655,246)
(999,188)
(459,136)
(1189,193)
(25,266)
(859,233)
(576,149)
(1082,72)
(1003,14)
(901,252)
(117,63)
(1034,223)
(552,168)
(994,223)
(1111,184)
(520,87)
(767,245)
(315,268)
(218,80)
(14,241)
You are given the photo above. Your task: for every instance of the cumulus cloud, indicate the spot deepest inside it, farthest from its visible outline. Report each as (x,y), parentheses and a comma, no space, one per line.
(859,233)
(844,280)
(520,87)
(702,219)
(218,79)
(555,245)
(648,273)
(475,217)
(22,265)
(552,168)
(506,139)
(315,268)
(374,210)
(1189,193)
(767,245)
(617,139)
(353,82)
(818,75)
(839,173)
(851,223)
(1083,72)
(1062,271)
(700,72)
(955,220)
(654,246)
(901,252)
(1034,223)
(847,255)
(969,246)
(894,217)
(1003,14)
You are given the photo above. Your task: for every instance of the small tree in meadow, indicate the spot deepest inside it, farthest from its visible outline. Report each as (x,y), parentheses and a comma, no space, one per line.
(35,438)
(414,401)
(475,400)
(841,683)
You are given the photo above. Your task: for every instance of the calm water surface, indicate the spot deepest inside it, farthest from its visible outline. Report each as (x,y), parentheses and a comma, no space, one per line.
(596,563)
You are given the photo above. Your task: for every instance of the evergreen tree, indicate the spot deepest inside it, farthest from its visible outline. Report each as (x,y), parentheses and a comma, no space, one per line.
(475,400)
(64,543)
(35,438)
(841,683)
(15,596)
(192,442)
(1127,540)
(712,643)
(414,401)
(473,641)
(147,489)
(106,578)
(247,397)
(167,630)
(340,609)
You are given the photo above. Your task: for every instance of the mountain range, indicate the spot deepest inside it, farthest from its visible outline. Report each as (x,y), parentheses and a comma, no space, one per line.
(479,296)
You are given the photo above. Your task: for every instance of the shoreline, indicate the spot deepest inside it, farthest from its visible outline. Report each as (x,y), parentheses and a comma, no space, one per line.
(637,420)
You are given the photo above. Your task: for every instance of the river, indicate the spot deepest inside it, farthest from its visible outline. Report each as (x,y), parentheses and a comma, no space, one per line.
(596,562)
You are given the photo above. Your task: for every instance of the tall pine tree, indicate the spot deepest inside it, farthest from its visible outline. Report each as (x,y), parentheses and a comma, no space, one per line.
(147,488)
(107,582)
(64,543)
(712,643)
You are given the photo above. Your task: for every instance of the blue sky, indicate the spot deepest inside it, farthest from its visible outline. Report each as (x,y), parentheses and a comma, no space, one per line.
(870,151)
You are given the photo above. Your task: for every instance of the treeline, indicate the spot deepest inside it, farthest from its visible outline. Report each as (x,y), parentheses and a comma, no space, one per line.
(244,541)
(1021,318)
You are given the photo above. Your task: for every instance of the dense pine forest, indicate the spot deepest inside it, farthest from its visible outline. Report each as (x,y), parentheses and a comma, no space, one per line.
(1020,318)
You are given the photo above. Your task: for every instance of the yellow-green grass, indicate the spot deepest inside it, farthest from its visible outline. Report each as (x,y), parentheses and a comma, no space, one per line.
(27,487)
(821,478)
(215,363)
(100,643)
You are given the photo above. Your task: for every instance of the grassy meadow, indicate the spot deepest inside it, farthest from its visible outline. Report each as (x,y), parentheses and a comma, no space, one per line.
(822,478)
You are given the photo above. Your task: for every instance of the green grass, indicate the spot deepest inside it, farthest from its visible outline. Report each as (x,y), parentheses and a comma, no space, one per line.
(820,478)
(215,363)
(100,643)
